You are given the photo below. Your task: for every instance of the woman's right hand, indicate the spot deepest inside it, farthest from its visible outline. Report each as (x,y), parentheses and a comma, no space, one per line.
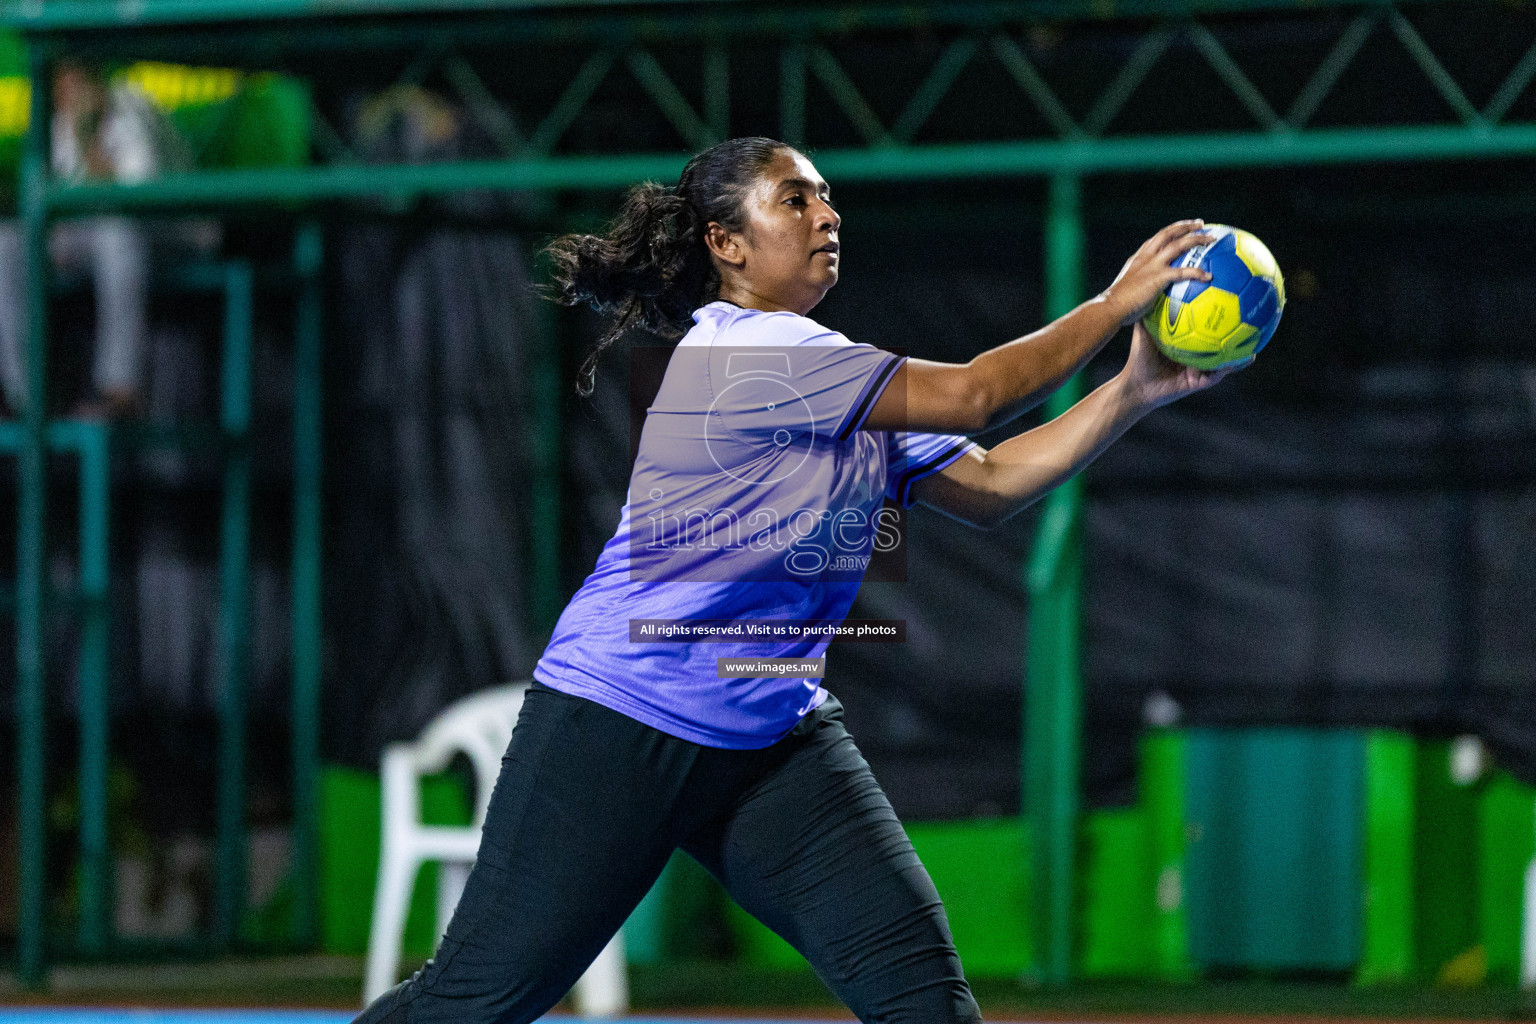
(1148,271)
(1152,380)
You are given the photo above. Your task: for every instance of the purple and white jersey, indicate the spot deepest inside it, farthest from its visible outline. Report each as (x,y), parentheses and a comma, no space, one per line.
(755,496)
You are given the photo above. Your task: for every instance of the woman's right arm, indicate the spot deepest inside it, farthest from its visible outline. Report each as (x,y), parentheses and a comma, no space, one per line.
(1003,382)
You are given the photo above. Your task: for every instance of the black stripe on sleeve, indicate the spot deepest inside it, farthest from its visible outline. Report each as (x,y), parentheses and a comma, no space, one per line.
(861,412)
(944,458)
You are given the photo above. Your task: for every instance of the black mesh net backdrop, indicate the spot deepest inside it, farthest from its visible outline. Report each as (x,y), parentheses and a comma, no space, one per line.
(427,481)
(1341,535)
(1344,535)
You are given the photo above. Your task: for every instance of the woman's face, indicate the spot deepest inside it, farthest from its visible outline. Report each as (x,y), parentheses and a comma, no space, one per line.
(786,257)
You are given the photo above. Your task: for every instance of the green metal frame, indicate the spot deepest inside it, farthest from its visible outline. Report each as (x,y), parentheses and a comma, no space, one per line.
(94,443)
(67,15)
(91,442)
(1053,670)
(234,605)
(1083,143)
(297,34)
(308,259)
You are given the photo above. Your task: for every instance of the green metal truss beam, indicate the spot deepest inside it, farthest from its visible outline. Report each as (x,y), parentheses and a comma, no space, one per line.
(59,16)
(896,163)
(1080,143)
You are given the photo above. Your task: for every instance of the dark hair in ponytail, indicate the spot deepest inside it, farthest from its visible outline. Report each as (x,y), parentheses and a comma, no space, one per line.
(651,268)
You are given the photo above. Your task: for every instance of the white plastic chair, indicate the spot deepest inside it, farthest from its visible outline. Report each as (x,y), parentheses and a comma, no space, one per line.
(479,726)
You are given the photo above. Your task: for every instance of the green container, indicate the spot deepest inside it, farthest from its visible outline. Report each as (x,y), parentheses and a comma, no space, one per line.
(349,859)
(1274,866)
(1164,788)
(979,867)
(1391,819)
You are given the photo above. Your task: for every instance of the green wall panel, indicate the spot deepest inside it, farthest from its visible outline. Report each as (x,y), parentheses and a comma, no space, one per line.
(1506,841)
(1118,938)
(1288,848)
(645,938)
(349,857)
(1446,918)
(980,869)
(760,947)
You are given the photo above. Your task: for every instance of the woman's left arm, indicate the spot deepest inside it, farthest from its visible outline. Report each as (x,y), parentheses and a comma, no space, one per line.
(985,488)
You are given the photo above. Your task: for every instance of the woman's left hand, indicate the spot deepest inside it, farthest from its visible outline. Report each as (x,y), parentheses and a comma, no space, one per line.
(1154,380)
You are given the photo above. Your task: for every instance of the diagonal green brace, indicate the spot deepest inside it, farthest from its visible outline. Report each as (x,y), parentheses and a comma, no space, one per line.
(1510,89)
(1126,81)
(653,78)
(934,87)
(1326,76)
(1435,71)
(1240,84)
(847,96)
(1028,79)
(582,85)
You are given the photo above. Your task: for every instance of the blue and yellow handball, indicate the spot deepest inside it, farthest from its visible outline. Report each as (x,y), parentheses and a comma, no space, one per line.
(1208,324)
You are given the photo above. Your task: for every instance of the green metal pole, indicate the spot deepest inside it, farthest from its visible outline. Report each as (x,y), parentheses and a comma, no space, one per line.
(234,602)
(31,539)
(308,398)
(95,706)
(1052,693)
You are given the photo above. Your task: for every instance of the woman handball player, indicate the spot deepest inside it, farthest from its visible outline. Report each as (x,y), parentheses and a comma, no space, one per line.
(771,442)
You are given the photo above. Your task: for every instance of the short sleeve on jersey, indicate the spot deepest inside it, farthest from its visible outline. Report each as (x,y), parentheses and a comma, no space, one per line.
(911,457)
(778,376)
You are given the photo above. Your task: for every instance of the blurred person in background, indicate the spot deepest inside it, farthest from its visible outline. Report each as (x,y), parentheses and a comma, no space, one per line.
(107,132)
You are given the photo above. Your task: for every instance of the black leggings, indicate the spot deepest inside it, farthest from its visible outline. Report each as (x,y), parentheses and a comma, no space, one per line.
(591,804)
